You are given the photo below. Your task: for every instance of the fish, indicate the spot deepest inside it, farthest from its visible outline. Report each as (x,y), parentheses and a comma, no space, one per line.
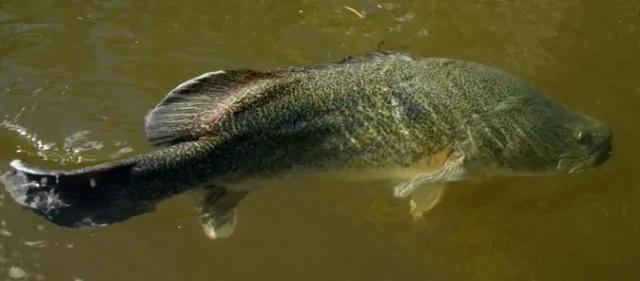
(418,123)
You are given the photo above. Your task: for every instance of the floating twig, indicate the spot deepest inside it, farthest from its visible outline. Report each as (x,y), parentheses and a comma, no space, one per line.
(354,11)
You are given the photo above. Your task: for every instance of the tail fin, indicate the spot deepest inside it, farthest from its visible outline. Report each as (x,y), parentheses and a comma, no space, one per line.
(77,198)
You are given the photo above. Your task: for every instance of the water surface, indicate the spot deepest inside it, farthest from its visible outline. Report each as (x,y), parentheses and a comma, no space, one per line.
(77,77)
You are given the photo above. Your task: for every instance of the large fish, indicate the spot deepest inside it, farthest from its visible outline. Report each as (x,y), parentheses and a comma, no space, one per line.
(418,122)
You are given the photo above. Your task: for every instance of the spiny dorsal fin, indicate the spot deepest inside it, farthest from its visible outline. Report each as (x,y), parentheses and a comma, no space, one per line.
(363,58)
(377,56)
(190,110)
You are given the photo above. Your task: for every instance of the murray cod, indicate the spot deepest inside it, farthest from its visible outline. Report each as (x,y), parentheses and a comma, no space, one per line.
(417,122)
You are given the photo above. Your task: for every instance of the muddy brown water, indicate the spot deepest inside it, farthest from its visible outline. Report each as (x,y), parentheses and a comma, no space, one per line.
(77,77)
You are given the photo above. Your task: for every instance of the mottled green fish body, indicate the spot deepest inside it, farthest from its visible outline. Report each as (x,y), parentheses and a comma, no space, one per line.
(430,120)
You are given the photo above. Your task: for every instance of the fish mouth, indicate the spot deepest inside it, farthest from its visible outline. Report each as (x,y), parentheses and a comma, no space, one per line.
(595,158)
(601,154)
(572,165)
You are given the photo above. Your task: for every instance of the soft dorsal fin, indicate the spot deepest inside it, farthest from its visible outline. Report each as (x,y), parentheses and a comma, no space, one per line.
(190,110)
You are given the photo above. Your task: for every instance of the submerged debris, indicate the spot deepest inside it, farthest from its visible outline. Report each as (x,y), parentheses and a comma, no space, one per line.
(355,12)
(36,244)
(5,232)
(17,273)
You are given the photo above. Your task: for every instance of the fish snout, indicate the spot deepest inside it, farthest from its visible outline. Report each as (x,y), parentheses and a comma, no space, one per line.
(603,148)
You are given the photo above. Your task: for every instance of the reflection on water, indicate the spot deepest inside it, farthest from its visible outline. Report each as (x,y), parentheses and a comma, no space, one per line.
(70,68)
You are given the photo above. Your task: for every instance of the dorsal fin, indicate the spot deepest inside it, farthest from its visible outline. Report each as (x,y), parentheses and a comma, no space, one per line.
(363,58)
(377,56)
(190,110)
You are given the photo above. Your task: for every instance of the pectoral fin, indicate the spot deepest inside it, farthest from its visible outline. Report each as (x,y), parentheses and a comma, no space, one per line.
(427,189)
(452,170)
(218,212)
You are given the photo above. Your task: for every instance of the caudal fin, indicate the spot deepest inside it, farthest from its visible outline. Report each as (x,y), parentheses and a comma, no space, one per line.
(78,198)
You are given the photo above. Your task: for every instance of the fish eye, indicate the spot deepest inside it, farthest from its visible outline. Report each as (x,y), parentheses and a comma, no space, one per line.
(583,137)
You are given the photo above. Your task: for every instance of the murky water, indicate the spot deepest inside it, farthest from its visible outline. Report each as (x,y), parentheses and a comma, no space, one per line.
(77,77)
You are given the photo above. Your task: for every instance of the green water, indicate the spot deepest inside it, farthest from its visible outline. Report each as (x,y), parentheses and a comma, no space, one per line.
(77,77)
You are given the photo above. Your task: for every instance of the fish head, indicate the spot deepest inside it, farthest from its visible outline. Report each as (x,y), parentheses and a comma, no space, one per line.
(585,143)
(537,135)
